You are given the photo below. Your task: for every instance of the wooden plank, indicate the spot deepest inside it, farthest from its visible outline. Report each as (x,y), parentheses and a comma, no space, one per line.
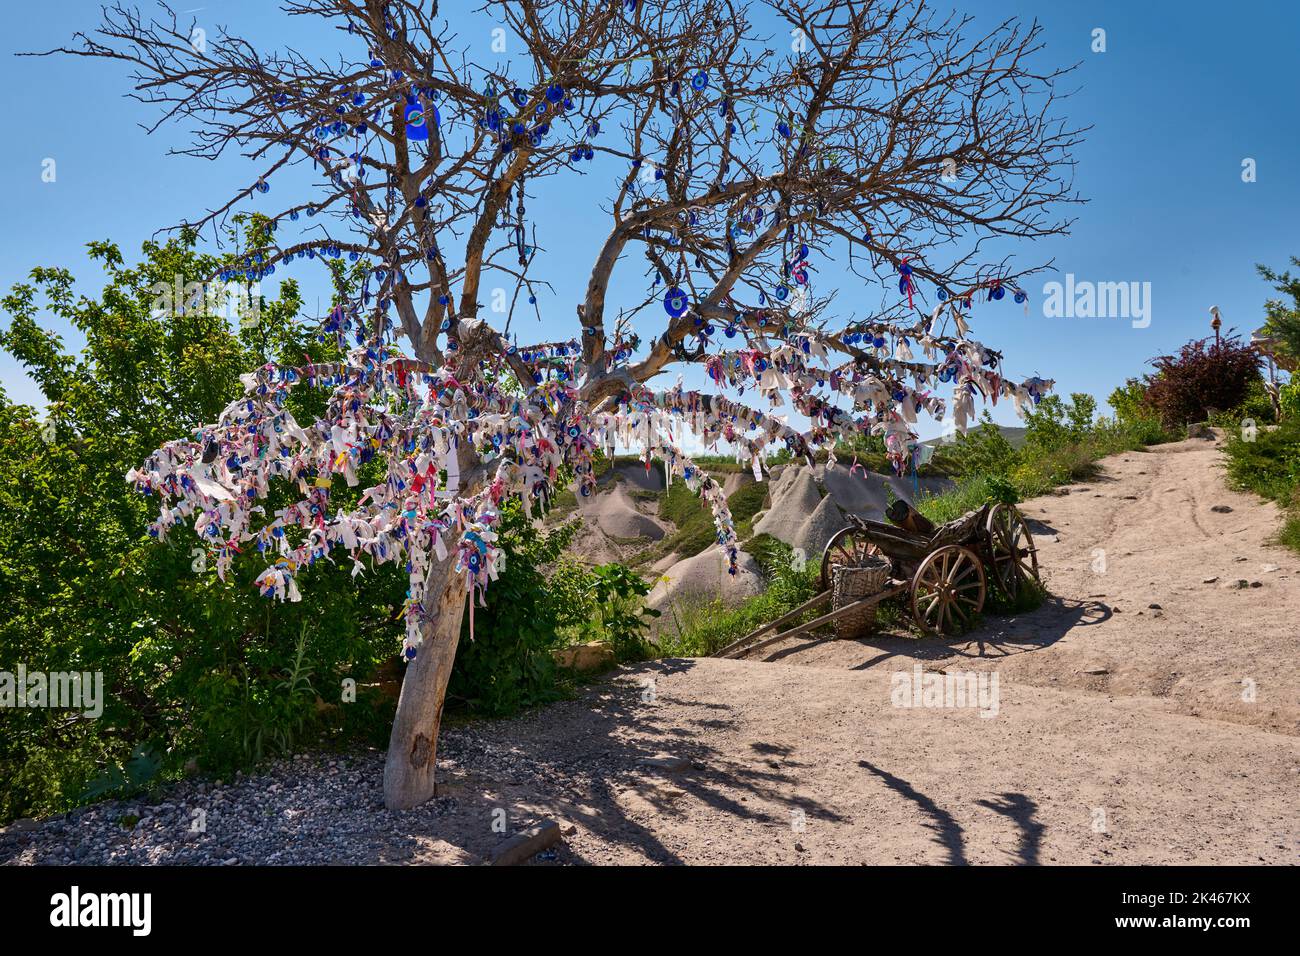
(827,618)
(788,616)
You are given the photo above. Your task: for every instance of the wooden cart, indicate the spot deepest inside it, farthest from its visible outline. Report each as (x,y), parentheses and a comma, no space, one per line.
(944,571)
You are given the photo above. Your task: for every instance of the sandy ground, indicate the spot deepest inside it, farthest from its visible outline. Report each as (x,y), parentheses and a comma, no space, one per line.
(1120,735)
(1124,733)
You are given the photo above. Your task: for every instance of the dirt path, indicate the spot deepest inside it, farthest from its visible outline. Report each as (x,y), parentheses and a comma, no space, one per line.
(1120,736)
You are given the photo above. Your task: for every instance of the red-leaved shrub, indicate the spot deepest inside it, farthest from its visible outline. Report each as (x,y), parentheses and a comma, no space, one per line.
(1203,375)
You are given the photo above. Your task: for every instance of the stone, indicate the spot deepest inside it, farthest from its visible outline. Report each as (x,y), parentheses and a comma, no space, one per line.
(585,658)
(1210,580)
(1095,669)
(1221,509)
(526,844)
(703,579)
(1269,568)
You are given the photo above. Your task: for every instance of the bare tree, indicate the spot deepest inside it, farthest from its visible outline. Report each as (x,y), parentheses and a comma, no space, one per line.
(895,138)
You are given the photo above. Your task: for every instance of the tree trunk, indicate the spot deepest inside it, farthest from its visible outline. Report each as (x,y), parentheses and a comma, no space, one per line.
(413,744)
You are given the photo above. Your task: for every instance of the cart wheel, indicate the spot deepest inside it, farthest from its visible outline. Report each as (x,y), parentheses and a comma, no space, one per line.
(849,546)
(1013,559)
(948,590)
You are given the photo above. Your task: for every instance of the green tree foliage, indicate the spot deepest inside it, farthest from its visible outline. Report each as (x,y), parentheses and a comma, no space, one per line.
(1267,462)
(1054,424)
(983,449)
(1284,312)
(1063,441)
(194,668)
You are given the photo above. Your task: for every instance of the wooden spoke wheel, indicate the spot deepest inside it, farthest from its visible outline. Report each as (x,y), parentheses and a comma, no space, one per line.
(948,590)
(850,547)
(1013,559)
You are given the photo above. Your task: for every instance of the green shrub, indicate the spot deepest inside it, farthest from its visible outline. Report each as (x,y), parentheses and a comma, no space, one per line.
(1062,445)
(1270,464)
(1053,424)
(1255,406)
(970,493)
(1289,399)
(983,450)
(1289,535)
(194,668)
(1134,414)
(616,601)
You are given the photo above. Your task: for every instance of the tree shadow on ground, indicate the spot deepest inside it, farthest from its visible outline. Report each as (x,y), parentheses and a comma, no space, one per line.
(947,831)
(1020,810)
(583,761)
(949,834)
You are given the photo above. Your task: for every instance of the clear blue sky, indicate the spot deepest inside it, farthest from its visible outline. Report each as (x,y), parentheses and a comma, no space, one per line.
(1185,91)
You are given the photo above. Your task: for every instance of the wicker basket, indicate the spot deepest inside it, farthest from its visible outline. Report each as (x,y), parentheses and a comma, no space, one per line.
(849,584)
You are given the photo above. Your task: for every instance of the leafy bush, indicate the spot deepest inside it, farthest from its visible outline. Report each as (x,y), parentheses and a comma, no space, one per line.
(1135,415)
(1270,466)
(1053,424)
(615,602)
(1204,374)
(1255,406)
(1062,444)
(983,450)
(1289,399)
(970,493)
(197,671)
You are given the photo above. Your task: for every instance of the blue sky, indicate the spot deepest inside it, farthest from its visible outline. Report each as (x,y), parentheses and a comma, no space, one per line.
(1183,94)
